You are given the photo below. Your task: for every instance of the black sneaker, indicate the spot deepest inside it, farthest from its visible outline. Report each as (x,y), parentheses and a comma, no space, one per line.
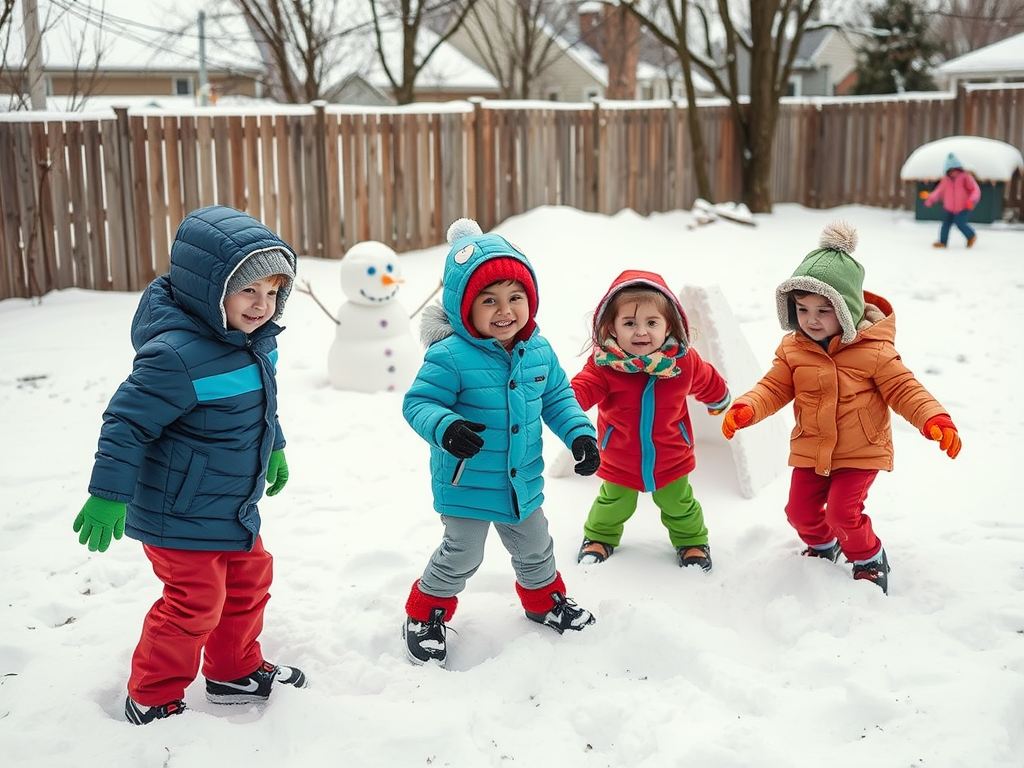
(565,614)
(253,688)
(592,552)
(877,571)
(137,714)
(425,640)
(696,554)
(825,553)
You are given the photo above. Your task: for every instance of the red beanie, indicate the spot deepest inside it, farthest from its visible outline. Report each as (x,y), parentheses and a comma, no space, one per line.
(496,271)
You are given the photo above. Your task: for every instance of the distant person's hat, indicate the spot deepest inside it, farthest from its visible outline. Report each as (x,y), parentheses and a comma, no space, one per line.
(952,162)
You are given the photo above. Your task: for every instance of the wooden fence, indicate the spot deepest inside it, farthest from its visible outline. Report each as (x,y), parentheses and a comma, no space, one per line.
(93,202)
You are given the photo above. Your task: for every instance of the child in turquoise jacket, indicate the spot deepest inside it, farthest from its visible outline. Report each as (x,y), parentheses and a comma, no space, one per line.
(488,383)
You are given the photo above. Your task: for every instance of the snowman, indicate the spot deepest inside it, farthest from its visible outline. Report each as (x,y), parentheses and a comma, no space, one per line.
(374,349)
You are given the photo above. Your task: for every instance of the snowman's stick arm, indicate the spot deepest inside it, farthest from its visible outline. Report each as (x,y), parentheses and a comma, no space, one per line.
(305,287)
(440,285)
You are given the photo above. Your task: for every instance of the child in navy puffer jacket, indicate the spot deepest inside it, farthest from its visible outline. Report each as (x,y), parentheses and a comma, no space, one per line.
(187,443)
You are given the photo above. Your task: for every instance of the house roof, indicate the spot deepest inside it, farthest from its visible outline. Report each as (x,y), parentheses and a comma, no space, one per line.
(134,36)
(810,43)
(1004,57)
(446,70)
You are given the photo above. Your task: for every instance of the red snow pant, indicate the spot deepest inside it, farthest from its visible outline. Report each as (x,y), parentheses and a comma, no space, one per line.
(211,600)
(824,508)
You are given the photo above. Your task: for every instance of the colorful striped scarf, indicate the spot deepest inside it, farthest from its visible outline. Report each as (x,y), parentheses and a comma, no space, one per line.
(662,362)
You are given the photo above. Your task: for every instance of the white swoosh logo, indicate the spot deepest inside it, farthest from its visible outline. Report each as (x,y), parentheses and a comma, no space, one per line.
(249,687)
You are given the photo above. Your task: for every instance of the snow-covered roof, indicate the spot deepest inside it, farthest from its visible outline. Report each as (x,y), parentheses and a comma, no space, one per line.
(987,159)
(1006,56)
(134,36)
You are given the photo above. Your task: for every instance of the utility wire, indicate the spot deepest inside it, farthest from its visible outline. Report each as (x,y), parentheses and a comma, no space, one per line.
(128,29)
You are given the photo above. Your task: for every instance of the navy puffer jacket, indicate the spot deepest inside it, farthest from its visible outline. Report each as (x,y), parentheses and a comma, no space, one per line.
(186,439)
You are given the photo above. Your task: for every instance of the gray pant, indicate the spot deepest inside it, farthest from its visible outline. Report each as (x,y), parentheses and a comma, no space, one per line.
(462,551)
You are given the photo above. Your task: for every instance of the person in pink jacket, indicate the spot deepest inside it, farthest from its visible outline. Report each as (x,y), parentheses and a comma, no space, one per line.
(959,193)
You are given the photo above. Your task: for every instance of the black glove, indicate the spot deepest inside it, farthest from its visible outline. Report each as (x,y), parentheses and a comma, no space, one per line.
(461,439)
(584,450)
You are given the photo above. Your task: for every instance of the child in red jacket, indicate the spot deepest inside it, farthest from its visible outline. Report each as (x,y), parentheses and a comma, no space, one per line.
(959,193)
(640,373)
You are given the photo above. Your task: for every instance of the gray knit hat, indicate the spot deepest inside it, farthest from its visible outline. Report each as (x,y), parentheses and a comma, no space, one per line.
(259,265)
(828,271)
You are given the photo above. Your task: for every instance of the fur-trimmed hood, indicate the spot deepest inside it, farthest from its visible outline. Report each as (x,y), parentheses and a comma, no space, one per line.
(434,325)
(828,271)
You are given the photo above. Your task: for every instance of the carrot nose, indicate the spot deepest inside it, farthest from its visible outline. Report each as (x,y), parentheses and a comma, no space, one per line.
(389,280)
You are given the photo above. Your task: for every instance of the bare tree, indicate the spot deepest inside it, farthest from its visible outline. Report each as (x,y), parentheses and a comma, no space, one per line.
(966,25)
(711,35)
(84,56)
(517,41)
(413,17)
(302,43)
(6,9)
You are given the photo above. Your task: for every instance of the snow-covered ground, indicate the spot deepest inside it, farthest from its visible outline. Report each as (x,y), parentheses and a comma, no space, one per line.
(771,660)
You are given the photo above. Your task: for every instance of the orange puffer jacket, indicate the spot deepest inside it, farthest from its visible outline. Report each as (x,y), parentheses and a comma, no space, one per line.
(841,398)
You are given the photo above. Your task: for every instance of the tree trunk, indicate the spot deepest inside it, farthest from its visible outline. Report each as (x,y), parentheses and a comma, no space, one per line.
(759,117)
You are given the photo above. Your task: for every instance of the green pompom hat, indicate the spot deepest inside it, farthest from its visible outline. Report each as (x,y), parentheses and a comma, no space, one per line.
(828,271)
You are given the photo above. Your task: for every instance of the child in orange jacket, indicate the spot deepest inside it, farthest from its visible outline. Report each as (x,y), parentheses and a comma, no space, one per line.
(840,369)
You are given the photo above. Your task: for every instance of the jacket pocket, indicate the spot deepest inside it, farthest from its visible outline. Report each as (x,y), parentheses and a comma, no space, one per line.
(193,476)
(871,431)
(685,434)
(457,474)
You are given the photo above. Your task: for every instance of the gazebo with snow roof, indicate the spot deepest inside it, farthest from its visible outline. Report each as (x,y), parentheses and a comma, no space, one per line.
(993,163)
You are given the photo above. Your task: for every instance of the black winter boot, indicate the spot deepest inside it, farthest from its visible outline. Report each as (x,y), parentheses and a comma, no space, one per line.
(877,571)
(425,641)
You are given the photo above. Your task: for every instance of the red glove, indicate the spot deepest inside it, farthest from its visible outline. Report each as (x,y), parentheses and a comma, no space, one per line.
(737,417)
(970,206)
(941,428)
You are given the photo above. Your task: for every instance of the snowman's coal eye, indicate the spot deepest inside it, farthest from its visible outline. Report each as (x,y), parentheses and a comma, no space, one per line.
(371,271)
(390,268)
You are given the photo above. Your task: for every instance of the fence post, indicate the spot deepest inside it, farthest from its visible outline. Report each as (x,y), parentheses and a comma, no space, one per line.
(959,109)
(127,198)
(479,188)
(320,144)
(595,130)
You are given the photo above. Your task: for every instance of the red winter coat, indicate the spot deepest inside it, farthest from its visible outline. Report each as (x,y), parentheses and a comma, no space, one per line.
(643,425)
(957,193)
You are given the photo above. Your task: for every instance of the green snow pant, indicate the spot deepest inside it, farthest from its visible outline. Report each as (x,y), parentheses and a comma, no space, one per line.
(681,513)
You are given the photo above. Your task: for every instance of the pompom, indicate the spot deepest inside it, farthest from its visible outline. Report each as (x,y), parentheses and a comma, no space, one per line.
(463,228)
(840,235)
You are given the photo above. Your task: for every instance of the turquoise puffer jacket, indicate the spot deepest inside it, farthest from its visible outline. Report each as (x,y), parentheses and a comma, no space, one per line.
(512,394)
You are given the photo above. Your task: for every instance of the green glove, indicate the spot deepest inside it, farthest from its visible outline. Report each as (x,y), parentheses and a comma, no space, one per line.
(277,472)
(98,520)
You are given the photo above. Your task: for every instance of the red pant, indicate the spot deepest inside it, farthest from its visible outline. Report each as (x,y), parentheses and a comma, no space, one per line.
(824,508)
(211,599)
